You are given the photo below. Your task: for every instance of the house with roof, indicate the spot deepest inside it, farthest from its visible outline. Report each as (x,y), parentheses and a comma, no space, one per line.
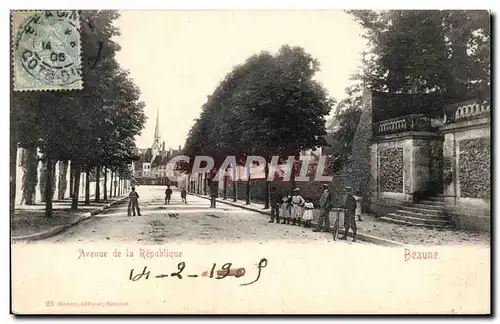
(151,166)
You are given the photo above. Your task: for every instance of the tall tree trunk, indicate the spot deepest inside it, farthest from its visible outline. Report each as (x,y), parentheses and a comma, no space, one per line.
(87,185)
(266,191)
(294,171)
(111,184)
(105,189)
(76,187)
(30,176)
(120,186)
(48,185)
(235,185)
(98,184)
(63,182)
(54,180)
(225,187)
(43,180)
(199,183)
(248,187)
(116,183)
(205,184)
(71,179)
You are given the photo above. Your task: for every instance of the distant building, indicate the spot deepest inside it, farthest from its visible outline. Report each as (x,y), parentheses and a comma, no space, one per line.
(151,167)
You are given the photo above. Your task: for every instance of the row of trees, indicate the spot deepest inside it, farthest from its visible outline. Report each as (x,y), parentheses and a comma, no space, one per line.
(94,128)
(445,52)
(268,106)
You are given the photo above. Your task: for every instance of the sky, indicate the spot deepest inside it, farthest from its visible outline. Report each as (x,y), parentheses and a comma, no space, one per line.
(177,58)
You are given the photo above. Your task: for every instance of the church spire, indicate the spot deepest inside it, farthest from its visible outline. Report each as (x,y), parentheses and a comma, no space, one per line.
(157,127)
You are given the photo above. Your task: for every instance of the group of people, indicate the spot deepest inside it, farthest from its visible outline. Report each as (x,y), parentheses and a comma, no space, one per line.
(294,209)
(168,195)
(133,201)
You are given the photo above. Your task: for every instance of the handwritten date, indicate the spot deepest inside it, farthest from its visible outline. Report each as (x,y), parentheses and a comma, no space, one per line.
(225,271)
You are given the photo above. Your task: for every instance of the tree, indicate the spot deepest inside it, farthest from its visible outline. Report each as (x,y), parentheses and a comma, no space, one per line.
(282,107)
(347,115)
(267,106)
(428,51)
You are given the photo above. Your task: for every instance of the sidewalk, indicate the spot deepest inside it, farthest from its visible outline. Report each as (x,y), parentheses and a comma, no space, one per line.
(259,208)
(29,221)
(374,231)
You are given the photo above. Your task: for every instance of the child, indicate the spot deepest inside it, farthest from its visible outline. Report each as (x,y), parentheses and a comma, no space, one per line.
(285,209)
(308,214)
(183,195)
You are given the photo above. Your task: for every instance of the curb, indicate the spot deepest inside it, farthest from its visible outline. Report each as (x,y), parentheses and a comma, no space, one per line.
(61,228)
(360,236)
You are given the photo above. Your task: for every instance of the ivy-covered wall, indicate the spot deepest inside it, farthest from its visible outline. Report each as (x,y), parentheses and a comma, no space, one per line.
(474,168)
(391,170)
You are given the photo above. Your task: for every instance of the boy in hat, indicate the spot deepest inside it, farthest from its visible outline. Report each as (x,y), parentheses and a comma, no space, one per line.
(325,203)
(349,219)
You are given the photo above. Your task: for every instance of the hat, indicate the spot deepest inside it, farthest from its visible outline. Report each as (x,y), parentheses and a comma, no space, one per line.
(348,188)
(325,185)
(296,190)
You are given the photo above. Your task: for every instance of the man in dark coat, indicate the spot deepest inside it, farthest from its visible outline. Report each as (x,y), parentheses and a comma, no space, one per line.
(350,212)
(168,195)
(214,187)
(275,205)
(326,204)
(133,202)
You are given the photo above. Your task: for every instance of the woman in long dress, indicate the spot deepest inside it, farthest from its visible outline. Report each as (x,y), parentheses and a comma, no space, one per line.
(297,207)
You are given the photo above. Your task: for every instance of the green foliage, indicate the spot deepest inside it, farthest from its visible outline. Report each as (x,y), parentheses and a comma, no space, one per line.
(441,52)
(415,51)
(267,106)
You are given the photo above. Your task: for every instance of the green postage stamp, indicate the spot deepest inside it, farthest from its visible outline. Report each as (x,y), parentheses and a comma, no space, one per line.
(46,50)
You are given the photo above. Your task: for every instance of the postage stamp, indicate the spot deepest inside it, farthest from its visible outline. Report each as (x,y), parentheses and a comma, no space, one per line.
(46,50)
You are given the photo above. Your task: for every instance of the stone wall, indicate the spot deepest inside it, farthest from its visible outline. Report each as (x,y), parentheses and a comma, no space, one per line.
(436,167)
(391,170)
(467,157)
(401,169)
(474,159)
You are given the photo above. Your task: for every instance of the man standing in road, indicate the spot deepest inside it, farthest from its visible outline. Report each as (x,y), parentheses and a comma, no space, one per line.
(325,203)
(349,219)
(168,195)
(213,193)
(133,202)
(184,195)
(275,205)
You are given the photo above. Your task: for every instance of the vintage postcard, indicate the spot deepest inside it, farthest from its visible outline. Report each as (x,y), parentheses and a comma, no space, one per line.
(250,162)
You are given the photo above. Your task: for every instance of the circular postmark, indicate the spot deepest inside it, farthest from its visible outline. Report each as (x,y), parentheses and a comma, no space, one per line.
(48,47)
